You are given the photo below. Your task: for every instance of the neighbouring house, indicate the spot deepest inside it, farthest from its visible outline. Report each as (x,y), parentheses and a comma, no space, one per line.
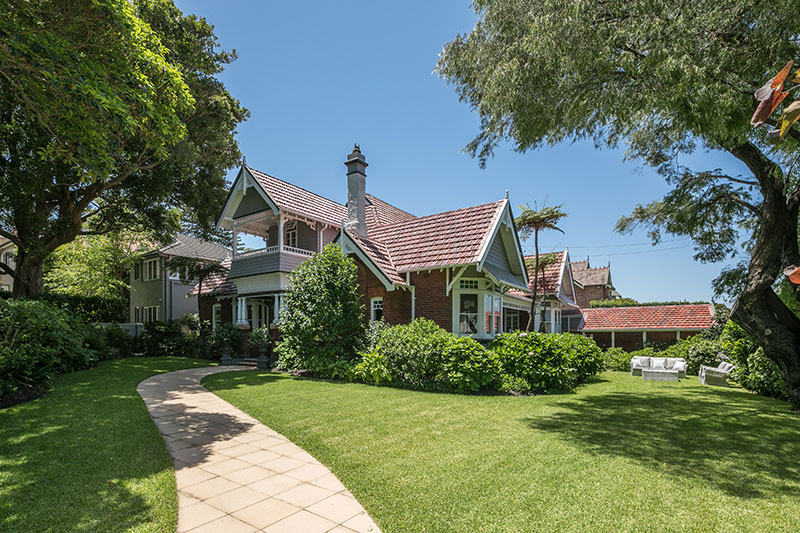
(592,283)
(555,291)
(459,268)
(159,292)
(7,257)
(631,328)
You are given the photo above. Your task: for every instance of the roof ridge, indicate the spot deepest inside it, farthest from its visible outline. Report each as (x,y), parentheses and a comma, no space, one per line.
(390,205)
(647,306)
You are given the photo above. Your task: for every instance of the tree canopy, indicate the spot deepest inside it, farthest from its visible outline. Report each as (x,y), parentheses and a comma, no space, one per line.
(663,78)
(112,118)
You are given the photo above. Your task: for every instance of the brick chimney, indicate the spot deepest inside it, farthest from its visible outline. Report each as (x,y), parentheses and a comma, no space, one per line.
(356,188)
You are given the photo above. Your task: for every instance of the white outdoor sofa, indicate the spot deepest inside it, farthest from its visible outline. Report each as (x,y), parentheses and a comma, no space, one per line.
(659,363)
(718,376)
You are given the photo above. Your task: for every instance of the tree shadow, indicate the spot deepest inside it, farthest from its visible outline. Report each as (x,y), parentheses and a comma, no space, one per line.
(746,446)
(87,456)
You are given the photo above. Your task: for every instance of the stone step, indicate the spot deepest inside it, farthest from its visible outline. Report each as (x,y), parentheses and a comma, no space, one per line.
(248,361)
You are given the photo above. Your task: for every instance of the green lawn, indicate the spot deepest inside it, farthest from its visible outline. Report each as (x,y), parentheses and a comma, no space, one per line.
(621,454)
(87,457)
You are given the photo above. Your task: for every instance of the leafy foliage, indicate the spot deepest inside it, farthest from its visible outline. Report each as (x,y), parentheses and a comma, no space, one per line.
(37,342)
(372,369)
(697,351)
(469,367)
(323,318)
(549,363)
(374,331)
(88,308)
(260,338)
(123,126)
(617,359)
(415,353)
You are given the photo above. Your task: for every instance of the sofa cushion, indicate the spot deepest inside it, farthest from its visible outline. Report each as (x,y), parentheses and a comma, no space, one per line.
(725,366)
(680,366)
(658,363)
(669,363)
(640,362)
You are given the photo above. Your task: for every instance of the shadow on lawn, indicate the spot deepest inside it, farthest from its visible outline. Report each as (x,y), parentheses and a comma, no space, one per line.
(744,445)
(66,459)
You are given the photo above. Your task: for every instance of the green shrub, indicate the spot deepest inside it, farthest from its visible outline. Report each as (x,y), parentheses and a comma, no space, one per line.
(109,341)
(469,367)
(89,308)
(323,318)
(761,375)
(38,341)
(374,331)
(372,369)
(260,339)
(617,359)
(548,363)
(513,385)
(415,353)
(644,352)
(697,351)
(170,338)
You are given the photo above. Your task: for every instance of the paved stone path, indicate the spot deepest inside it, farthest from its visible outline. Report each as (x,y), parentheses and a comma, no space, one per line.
(236,474)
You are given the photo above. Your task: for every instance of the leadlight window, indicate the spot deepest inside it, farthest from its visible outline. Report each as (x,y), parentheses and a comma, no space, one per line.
(468,314)
(468,283)
(377,309)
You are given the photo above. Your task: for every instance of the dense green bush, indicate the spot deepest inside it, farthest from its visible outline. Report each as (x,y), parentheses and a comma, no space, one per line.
(469,367)
(373,334)
(260,339)
(415,353)
(323,319)
(617,359)
(761,375)
(109,341)
(697,351)
(89,308)
(170,338)
(224,337)
(548,363)
(38,341)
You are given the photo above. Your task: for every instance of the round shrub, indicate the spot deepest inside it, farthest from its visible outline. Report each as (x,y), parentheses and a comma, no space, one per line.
(469,367)
(762,376)
(548,363)
(323,319)
(697,351)
(38,341)
(414,353)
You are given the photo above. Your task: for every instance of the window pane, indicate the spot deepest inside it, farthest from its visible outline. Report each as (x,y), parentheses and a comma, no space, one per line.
(468,314)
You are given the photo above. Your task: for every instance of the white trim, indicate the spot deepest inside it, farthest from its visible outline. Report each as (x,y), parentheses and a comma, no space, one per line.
(506,216)
(244,180)
(373,308)
(455,279)
(637,330)
(484,250)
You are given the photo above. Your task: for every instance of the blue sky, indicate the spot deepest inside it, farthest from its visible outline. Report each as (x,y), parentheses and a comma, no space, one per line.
(319,76)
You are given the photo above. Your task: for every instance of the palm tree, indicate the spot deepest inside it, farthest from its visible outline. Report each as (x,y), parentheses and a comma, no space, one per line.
(530,221)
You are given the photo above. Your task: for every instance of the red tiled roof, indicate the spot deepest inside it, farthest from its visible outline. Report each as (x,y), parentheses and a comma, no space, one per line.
(670,317)
(444,239)
(380,213)
(549,278)
(218,284)
(293,198)
(380,255)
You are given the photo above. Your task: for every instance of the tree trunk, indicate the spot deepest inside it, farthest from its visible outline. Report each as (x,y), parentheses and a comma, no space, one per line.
(532,318)
(28,276)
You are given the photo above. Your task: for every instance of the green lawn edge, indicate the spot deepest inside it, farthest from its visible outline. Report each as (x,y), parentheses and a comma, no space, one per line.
(621,454)
(88,457)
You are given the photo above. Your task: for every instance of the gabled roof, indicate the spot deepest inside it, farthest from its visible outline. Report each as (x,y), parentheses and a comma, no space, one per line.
(667,317)
(217,284)
(290,197)
(550,278)
(194,248)
(586,275)
(579,265)
(445,239)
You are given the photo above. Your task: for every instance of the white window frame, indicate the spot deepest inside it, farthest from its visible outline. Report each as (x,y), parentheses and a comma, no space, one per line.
(214,309)
(511,319)
(290,234)
(151,269)
(375,304)
(150,313)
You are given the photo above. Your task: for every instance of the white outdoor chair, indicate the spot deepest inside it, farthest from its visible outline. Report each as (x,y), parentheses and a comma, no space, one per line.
(718,376)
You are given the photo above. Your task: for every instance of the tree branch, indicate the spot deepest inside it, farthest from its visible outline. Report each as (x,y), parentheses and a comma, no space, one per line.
(7,269)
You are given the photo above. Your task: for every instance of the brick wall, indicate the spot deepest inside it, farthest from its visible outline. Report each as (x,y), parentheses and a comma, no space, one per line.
(591,292)
(396,303)
(432,301)
(205,303)
(632,340)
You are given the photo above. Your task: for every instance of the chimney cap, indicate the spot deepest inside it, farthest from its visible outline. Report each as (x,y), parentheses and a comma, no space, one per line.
(356,155)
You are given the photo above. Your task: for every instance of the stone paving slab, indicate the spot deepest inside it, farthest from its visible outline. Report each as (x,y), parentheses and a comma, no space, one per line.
(236,474)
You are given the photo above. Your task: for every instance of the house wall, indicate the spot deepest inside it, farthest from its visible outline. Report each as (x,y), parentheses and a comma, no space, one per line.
(396,303)
(205,304)
(591,292)
(632,340)
(432,300)
(251,202)
(6,281)
(146,293)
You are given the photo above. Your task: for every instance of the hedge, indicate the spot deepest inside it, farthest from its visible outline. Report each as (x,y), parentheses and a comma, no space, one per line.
(90,308)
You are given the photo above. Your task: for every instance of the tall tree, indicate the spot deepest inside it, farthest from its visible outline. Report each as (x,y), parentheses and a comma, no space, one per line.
(664,78)
(93,265)
(532,221)
(111,117)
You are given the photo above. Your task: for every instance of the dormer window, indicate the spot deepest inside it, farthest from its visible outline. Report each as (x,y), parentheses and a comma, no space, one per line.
(290,237)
